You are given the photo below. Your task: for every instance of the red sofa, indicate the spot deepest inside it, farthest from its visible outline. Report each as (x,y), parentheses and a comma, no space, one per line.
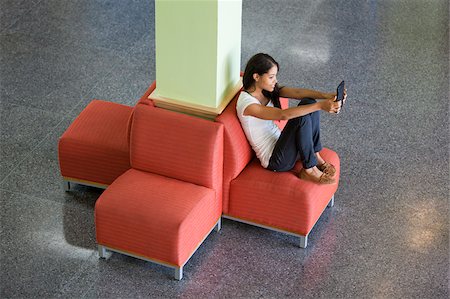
(169,178)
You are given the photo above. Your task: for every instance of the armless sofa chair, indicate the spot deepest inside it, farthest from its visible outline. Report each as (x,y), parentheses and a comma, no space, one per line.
(163,208)
(278,201)
(94,150)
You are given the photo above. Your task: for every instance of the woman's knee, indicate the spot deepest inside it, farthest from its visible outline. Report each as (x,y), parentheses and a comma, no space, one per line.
(305,121)
(306,101)
(300,121)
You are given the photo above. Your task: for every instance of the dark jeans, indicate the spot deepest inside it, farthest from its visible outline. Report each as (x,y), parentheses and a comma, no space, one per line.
(299,138)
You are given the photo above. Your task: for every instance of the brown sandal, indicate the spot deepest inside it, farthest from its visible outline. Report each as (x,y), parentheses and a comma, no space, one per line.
(324,178)
(327,168)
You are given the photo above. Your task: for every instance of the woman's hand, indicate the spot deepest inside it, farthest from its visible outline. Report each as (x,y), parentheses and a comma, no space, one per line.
(334,94)
(331,106)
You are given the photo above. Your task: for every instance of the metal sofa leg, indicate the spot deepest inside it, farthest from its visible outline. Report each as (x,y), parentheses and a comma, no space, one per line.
(101,252)
(218,225)
(178,273)
(331,203)
(303,241)
(66,185)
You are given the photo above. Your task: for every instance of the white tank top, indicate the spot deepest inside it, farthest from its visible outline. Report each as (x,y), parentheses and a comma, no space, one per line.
(261,134)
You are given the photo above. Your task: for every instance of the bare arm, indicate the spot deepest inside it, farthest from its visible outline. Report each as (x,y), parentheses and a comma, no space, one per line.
(300,93)
(272,113)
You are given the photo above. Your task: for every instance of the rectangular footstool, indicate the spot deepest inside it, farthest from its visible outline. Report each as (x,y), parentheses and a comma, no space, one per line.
(94,149)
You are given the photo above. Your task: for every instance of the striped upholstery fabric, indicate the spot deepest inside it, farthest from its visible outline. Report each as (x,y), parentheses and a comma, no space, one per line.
(284,105)
(281,199)
(94,148)
(176,145)
(237,150)
(153,216)
(143,100)
(164,206)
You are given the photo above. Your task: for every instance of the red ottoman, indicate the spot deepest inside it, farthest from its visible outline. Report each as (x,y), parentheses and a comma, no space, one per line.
(94,150)
(163,208)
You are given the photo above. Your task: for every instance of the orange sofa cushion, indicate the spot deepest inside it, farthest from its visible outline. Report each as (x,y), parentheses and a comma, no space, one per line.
(237,151)
(94,148)
(143,100)
(280,199)
(156,217)
(176,145)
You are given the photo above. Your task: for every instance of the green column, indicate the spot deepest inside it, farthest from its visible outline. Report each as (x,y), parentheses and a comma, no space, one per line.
(198,50)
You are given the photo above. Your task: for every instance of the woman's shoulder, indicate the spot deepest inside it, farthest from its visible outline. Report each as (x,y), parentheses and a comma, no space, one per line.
(244,96)
(244,100)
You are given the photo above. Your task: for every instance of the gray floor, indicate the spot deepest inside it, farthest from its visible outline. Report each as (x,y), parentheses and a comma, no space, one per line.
(386,237)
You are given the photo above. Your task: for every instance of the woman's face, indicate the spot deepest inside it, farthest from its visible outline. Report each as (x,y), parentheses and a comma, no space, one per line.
(268,80)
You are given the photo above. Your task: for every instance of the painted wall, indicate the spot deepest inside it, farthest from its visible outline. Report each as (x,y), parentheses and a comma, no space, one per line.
(228,46)
(198,46)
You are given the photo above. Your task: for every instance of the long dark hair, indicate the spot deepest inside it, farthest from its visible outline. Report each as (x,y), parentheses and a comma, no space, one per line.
(260,64)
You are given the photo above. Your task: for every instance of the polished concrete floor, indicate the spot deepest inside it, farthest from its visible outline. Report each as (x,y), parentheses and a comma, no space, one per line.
(388,233)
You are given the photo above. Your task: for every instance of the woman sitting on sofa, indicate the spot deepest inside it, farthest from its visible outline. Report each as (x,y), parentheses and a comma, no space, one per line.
(258,105)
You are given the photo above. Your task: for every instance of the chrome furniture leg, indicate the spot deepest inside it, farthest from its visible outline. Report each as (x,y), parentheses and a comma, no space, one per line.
(303,241)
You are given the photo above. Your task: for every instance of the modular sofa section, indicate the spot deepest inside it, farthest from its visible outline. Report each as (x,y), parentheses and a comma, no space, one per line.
(163,208)
(275,200)
(94,149)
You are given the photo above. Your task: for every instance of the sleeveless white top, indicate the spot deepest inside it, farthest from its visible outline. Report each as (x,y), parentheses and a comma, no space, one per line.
(261,134)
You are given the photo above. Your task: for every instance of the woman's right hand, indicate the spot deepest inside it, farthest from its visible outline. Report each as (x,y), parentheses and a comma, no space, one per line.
(331,106)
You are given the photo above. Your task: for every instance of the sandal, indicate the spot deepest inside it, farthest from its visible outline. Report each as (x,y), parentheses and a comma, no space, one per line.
(323,179)
(327,168)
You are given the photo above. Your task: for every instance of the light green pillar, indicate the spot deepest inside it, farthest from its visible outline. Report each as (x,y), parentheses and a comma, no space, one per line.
(198,50)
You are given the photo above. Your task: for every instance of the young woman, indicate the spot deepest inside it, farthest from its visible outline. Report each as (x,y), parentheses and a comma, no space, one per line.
(258,105)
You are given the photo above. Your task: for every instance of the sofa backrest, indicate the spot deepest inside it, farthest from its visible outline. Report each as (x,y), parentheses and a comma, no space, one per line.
(178,146)
(237,151)
(143,100)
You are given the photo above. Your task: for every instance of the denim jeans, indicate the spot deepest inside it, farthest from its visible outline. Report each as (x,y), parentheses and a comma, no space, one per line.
(300,138)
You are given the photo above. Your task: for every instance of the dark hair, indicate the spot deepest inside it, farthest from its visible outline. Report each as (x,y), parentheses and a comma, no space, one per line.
(260,64)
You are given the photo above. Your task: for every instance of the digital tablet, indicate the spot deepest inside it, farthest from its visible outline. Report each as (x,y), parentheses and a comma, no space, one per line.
(340,91)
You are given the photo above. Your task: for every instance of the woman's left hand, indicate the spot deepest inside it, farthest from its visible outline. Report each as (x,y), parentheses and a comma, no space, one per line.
(333,94)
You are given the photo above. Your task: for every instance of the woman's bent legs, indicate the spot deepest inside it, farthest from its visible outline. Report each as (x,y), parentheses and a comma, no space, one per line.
(300,137)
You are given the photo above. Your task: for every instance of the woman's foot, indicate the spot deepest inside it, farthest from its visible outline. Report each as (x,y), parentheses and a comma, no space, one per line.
(324,166)
(327,168)
(313,174)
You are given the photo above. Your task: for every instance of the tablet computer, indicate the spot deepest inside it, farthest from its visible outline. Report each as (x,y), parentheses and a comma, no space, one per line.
(340,91)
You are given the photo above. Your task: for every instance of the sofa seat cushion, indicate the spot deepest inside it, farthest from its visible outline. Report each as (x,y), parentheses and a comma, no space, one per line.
(280,199)
(95,146)
(156,217)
